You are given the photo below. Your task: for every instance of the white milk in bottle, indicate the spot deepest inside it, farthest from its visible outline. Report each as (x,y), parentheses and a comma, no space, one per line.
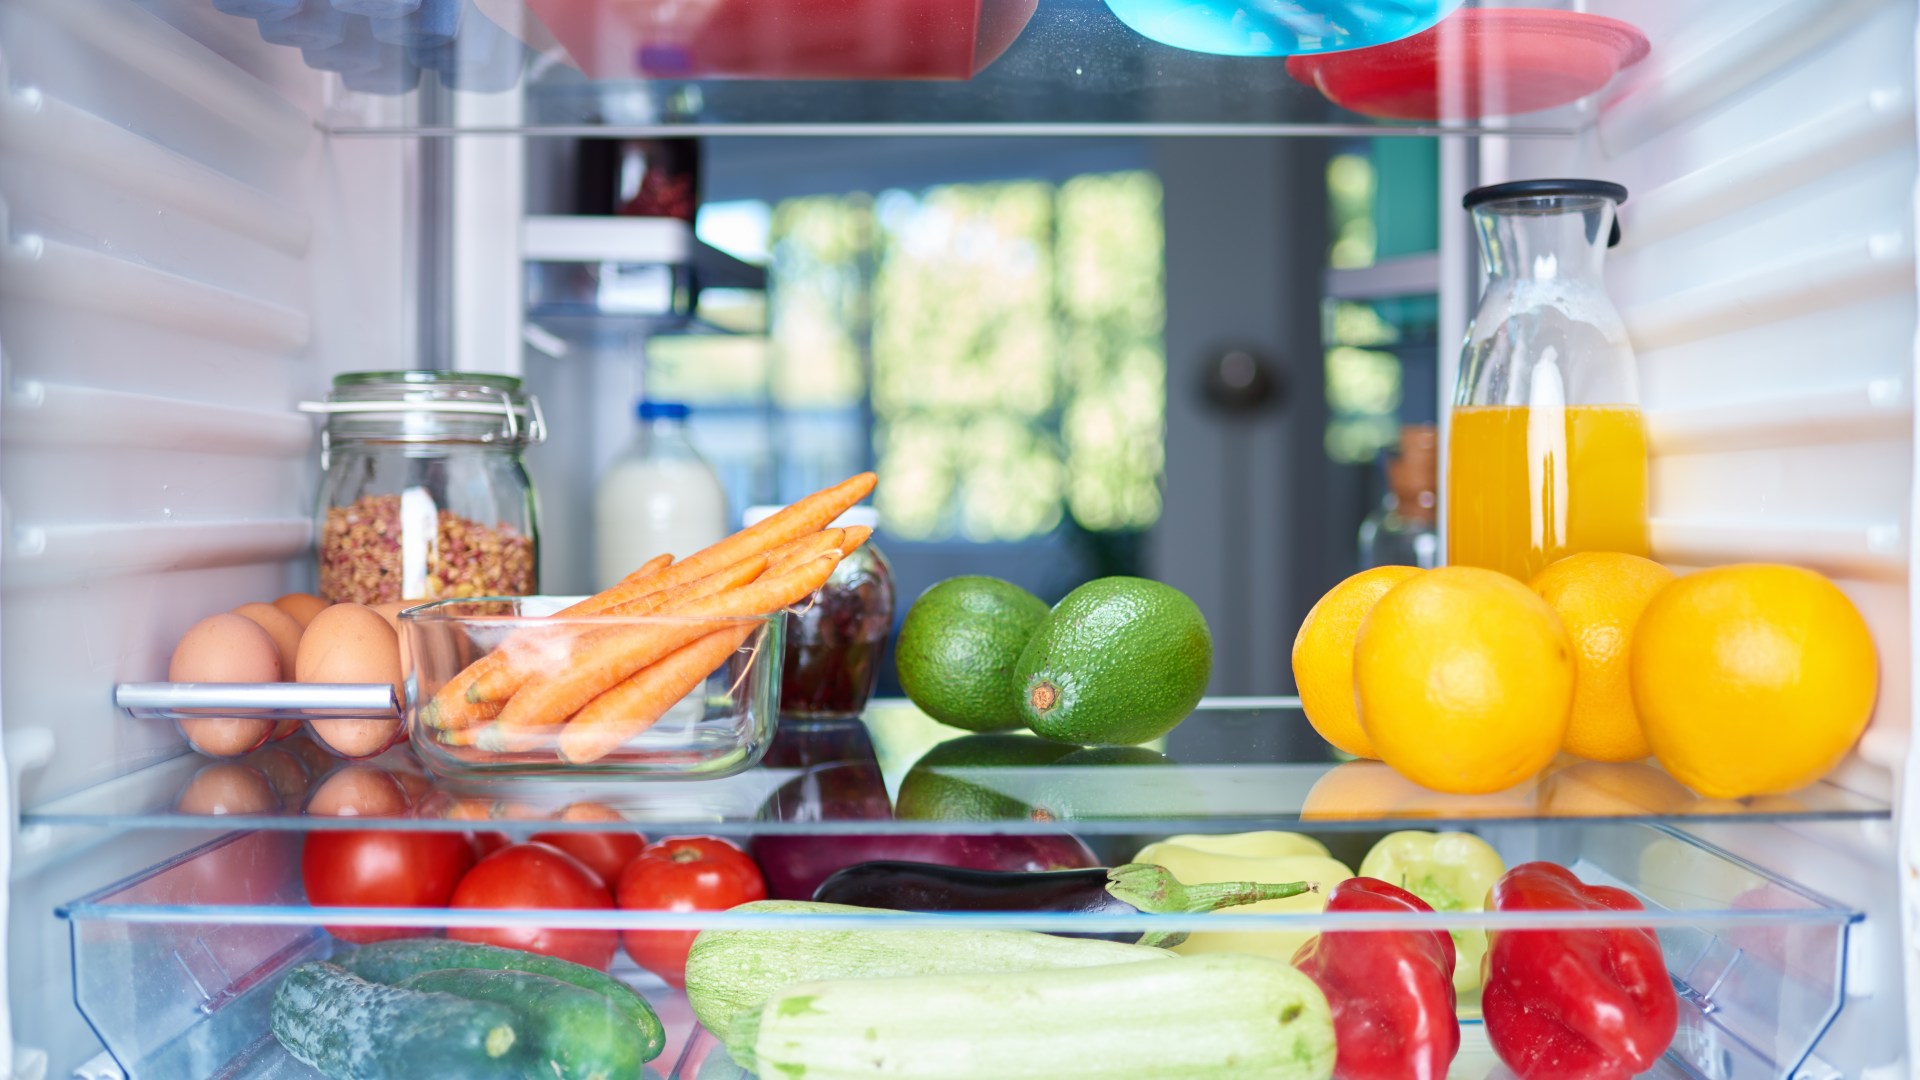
(658,496)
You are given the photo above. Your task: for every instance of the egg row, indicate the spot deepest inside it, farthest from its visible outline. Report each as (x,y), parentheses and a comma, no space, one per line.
(297,638)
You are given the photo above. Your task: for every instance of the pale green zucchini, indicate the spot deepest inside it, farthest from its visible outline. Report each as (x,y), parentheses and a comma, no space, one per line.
(1219,1016)
(732,971)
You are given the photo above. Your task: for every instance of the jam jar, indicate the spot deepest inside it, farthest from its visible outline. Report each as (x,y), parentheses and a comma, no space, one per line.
(425,495)
(835,644)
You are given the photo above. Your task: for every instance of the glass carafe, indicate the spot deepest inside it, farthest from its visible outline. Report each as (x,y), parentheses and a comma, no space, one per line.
(1547,452)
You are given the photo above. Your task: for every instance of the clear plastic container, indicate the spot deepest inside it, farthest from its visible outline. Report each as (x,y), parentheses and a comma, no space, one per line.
(658,497)
(835,644)
(176,967)
(1547,449)
(425,495)
(506,687)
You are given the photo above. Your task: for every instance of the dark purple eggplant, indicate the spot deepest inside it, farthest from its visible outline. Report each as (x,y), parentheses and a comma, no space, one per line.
(1130,889)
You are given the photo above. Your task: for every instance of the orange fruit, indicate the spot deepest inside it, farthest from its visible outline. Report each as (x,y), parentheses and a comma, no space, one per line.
(1753,679)
(1464,679)
(1323,655)
(1599,596)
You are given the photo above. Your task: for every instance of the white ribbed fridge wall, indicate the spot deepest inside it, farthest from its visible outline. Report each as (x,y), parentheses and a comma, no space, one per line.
(1767,280)
(182,258)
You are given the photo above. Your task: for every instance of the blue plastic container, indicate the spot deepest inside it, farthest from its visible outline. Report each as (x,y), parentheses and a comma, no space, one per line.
(1279,27)
(312,25)
(434,22)
(357,51)
(483,58)
(254,9)
(378,9)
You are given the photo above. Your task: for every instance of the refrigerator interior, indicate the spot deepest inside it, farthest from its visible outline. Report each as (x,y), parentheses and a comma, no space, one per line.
(200,230)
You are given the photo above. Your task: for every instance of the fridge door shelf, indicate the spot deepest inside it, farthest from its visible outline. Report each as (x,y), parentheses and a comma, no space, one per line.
(176,967)
(1236,764)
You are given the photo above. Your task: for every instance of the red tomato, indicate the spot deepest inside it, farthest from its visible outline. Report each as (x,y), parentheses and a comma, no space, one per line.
(486,843)
(382,868)
(687,873)
(606,854)
(536,876)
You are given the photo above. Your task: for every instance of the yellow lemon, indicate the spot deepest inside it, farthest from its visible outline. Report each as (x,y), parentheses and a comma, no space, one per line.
(1465,680)
(1599,596)
(1753,679)
(1323,655)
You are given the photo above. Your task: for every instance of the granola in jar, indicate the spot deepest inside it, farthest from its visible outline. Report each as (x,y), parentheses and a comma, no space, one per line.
(363,558)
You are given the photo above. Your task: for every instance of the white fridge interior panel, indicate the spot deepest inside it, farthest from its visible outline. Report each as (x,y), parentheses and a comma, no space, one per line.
(1770,300)
(185,259)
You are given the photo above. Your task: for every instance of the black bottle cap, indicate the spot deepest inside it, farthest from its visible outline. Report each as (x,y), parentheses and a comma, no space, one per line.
(1539,189)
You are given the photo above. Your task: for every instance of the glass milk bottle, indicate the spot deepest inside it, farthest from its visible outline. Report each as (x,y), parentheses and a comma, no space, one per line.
(1547,453)
(659,496)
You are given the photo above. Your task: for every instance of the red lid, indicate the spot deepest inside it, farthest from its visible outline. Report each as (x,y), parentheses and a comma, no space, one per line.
(1478,62)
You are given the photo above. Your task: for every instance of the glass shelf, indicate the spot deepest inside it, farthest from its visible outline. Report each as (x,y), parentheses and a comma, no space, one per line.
(1234,765)
(1072,68)
(175,967)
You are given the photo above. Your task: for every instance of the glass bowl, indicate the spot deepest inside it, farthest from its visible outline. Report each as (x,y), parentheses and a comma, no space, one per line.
(496,688)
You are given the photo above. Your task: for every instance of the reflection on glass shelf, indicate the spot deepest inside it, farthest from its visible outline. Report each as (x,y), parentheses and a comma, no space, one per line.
(1235,765)
(176,966)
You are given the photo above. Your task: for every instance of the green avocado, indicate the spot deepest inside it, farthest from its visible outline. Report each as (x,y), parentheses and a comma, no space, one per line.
(1119,661)
(957,650)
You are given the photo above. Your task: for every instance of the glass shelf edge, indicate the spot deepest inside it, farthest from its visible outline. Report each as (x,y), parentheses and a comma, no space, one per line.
(1155,129)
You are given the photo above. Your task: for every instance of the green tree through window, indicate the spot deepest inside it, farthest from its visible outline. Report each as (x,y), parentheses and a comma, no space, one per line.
(1004,339)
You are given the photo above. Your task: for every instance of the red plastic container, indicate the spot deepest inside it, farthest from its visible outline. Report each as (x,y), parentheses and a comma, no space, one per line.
(784,39)
(1476,63)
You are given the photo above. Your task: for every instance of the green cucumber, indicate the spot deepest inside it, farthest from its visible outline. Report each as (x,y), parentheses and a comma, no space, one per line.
(730,972)
(1214,1017)
(352,1029)
(391,961)
(567,1033)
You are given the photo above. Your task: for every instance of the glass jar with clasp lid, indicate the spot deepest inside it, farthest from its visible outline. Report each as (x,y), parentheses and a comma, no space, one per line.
(425,494)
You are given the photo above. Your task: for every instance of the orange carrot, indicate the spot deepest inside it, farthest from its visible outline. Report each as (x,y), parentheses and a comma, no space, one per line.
(789,555)
(549,651)
(855,535)
(633,706)
(648,569)
(809,515)
(606,661)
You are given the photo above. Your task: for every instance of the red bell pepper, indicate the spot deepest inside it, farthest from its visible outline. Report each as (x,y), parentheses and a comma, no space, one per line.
(1391,990)
(1574,1004)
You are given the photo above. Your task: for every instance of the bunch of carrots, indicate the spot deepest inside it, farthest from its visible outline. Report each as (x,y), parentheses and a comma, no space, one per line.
(591,688)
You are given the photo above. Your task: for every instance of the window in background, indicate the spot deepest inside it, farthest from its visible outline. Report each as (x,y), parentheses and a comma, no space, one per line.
(1380,347)
(993,350)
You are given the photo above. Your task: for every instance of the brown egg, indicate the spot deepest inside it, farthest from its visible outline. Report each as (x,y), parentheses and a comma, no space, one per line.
(286,635)
(228,787)
(358,790)
(349,643)
(225,649)
(302,606)
(391,613)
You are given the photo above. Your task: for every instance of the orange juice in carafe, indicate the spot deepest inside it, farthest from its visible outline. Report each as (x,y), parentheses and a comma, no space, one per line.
(1547,449)
(1531,484)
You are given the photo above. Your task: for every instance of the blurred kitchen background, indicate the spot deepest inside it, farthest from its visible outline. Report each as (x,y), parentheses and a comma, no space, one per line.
(1184,358)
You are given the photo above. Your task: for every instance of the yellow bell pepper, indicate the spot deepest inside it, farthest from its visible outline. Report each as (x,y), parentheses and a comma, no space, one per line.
(1451,871)
(1267,857)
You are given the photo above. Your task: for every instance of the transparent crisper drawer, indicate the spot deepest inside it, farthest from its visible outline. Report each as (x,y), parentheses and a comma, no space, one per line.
(175,969)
